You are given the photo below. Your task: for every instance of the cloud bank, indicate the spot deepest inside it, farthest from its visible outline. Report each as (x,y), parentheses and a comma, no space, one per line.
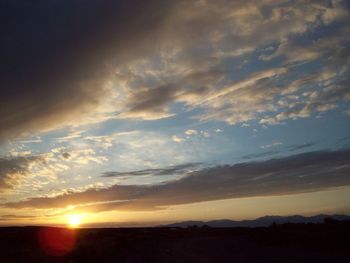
(307,172)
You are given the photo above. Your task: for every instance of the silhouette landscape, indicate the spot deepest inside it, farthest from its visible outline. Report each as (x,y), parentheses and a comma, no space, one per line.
(325,241)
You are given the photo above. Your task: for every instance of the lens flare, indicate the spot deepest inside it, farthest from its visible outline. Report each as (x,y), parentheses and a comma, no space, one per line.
(57,241)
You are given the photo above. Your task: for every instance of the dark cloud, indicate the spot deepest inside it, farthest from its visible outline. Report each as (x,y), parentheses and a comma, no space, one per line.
(307,172)
(13,169)
(176,169)
(65,155)
(151,101)
(55,56)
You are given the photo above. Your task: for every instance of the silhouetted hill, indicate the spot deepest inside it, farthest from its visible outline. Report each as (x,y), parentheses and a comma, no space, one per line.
(261,221)
(287,243)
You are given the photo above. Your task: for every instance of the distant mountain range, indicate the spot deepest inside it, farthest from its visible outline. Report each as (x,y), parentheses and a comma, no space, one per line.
(260,222)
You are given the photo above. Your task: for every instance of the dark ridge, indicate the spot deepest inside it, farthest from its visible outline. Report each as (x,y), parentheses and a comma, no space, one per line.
(288,243)
(261,221)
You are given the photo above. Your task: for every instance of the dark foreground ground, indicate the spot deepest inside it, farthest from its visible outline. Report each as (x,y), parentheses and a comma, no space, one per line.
(328,242)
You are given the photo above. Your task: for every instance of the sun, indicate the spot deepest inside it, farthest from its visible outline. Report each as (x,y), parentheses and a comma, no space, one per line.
(74,221)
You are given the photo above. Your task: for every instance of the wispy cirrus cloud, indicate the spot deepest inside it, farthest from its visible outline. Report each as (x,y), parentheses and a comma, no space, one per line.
(260,155)
(16,217)
(296,147)
(175,169)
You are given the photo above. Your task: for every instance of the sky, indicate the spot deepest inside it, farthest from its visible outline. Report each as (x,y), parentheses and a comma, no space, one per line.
(145,112)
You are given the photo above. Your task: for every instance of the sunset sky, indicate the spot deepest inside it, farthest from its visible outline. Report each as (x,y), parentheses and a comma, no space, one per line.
(144,112)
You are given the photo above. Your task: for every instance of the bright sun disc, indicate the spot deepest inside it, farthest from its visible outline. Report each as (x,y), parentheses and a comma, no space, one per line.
(74,220)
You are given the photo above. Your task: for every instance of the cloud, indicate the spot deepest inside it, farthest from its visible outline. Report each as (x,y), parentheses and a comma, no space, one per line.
(297,147)
(71,63)
(38,140)
(273,144)
(135,150)
(191,132)
(70,136)
(82,157)
(295,52)
(244,100)
(307,172)
(16,217)
(56,58)
(343,142)
(107,141)
(260,155)
(14,169)
(177,138)
(26,172)
(149,102)
(190,67)
(176,169)
(316,101)
(65,155)
(343,139)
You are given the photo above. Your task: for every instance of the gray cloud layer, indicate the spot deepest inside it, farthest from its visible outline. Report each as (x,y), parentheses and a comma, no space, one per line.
(307,172)
(55,56)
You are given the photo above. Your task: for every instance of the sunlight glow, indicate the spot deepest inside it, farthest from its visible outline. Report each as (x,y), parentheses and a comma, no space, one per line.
(74,220)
